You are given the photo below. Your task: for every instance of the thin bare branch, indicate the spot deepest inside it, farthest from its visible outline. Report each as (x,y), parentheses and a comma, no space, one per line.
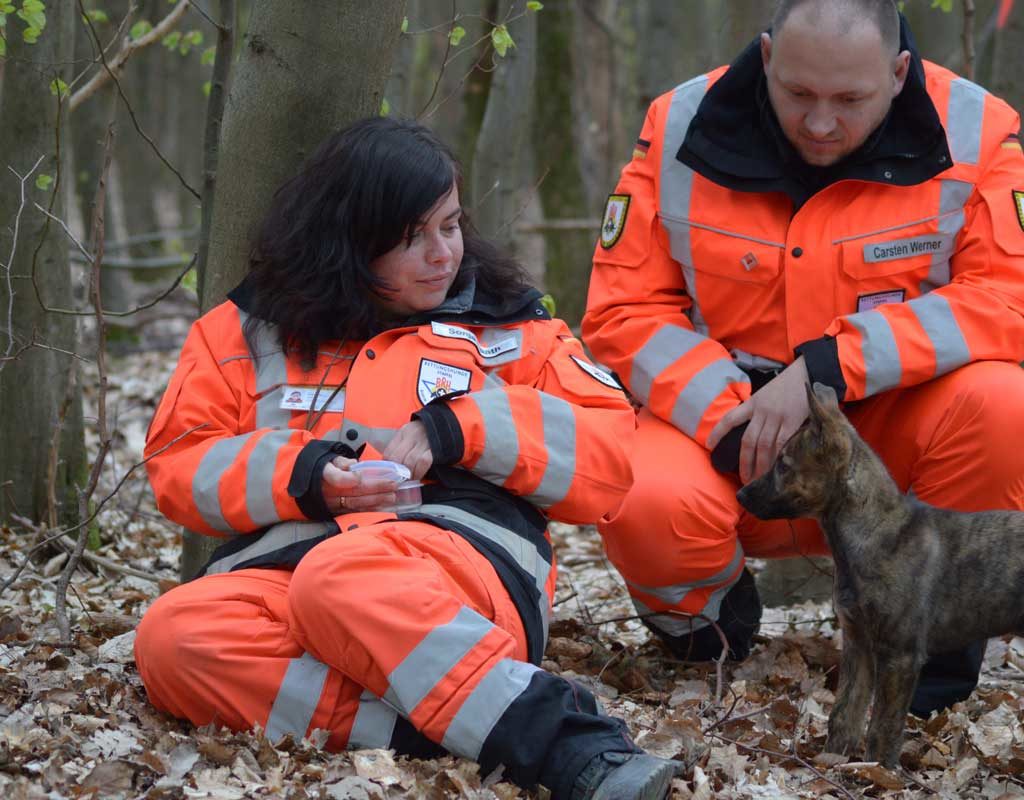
(115,66)
(214,119)
(10,260)
(81,247)
(96,511)
(85,493)
(128,106)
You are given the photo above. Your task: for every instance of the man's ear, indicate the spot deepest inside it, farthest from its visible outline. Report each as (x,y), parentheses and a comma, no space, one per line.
(901,68)
(766,49)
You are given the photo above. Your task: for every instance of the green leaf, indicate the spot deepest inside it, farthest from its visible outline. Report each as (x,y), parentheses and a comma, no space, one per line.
(549,304)
(533,5)
(140,29)
(58,88)
(206,88)
(194,38)
(31,35)
(97,15)
(171,40)
(6,7)
(43,181)
(32,13)
(191,280)
(385,107)
(3,47)
(209,55)
(456,34)
(501,40)
(945,5)
(405,24)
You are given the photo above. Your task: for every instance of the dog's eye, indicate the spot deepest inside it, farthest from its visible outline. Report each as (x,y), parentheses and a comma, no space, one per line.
(781,466)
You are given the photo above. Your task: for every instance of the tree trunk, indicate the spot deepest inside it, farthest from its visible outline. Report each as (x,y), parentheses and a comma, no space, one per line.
(324,63)
(34,386)
(568,252)
(1008,56)
(498,174)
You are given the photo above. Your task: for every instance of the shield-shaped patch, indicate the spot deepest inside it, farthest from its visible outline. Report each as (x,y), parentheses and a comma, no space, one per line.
(614,221)
(437,380)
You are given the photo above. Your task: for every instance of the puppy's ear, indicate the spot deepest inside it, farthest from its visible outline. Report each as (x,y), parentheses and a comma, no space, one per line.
(826,395)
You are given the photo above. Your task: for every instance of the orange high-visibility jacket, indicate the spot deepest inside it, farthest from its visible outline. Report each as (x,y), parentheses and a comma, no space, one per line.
(880,285)
(523,428)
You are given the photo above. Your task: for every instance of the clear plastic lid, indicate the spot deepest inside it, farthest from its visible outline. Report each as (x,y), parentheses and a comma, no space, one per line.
(382,469)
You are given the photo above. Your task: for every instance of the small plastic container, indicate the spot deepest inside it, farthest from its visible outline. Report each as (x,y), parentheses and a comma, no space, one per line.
(388,470)
(408,492)
(409,495)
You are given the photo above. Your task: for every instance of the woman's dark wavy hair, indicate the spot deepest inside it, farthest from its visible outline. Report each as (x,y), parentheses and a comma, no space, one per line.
(362,192)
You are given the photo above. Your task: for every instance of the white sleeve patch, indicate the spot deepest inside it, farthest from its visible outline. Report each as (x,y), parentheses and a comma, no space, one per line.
(597,373)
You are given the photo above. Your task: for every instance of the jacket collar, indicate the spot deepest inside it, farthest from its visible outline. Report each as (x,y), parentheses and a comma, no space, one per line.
(467,303)
(739,144)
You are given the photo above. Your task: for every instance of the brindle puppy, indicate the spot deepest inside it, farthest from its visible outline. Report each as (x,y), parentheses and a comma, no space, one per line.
(911,580)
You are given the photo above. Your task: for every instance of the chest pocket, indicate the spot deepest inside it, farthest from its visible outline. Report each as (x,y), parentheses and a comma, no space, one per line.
(720,253)
(914,260)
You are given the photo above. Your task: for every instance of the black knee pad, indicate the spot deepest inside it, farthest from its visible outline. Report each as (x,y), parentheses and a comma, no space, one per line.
(739,618)
(947,678)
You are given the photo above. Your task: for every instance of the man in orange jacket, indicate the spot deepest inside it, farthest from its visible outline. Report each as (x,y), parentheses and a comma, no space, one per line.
(829,207)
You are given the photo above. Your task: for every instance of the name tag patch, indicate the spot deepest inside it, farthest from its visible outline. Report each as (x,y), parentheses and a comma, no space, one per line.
(486,351)
(932,245)
(436,380)
(1018,202)
(300,398)
(596,373)
(867,302)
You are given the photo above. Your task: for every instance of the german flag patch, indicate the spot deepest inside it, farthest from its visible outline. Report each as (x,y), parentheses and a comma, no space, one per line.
(1018,202)
(640,149)
(1012,142)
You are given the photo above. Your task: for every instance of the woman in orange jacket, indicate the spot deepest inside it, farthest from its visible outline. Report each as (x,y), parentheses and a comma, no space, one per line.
(374,324)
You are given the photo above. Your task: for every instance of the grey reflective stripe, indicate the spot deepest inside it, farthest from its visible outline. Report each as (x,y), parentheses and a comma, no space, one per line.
(378,437)
(701,391)
(745,360)
(936,317)
(373,725)
(527,557)
(206,481)
(676,184)
(271,374)
(433,658)
(882,368)
(297,698)
(493,336)
(560,445)
(259,477)
(964,120)
(494,381)
(486,704)
(674,594)
(664,348)
(501,443)
(677,625)
(953,197)
(279,536)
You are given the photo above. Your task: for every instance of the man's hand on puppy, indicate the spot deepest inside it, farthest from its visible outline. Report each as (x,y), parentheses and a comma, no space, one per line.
(774,413)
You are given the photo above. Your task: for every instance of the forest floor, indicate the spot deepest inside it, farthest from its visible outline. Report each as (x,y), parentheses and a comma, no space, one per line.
(77,723)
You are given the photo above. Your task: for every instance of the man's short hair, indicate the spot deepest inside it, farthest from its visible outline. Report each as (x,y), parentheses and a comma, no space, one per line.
(882,13)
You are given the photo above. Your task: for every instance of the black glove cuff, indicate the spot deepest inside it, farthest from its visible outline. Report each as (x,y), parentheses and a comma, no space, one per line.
(726,456)
(444,435)
(305,484)
(821,357)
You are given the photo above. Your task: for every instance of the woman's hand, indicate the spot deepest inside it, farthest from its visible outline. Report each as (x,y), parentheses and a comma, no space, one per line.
(346,491)
(410,447)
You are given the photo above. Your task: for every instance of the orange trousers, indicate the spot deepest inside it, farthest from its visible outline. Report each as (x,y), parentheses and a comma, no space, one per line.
(681,538)
(395,634)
